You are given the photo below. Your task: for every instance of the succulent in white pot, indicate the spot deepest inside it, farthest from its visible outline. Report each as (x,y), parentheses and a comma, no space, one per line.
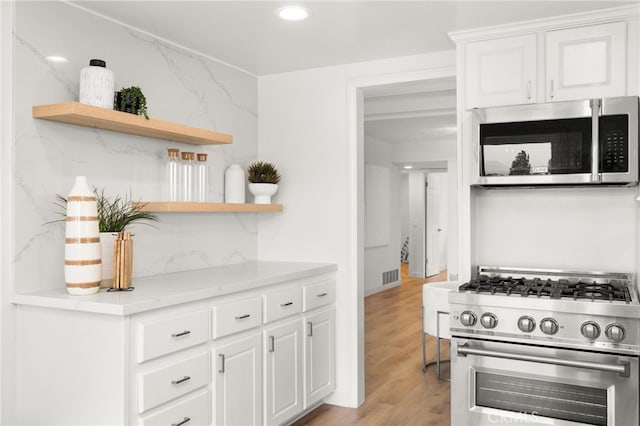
(263,181)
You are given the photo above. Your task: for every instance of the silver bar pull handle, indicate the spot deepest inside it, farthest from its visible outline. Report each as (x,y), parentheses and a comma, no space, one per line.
(243,316)
(529,90)
(179,381)
(623,368)
(182,422)
(551,89)
(221,369)
(184,333)
(321,295)
(284,305)
(595,139)
(272,344)
(309,329)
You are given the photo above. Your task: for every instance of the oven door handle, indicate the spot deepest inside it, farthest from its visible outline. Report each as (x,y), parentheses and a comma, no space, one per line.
(623,368)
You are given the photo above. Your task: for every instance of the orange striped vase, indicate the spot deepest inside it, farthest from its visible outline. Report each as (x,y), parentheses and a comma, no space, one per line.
(82,264)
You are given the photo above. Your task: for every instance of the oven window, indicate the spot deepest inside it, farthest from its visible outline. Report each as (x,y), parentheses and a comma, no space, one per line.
(540,398)
(548,147)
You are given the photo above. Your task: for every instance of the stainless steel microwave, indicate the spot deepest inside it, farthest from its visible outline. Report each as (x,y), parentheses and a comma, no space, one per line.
(561,143)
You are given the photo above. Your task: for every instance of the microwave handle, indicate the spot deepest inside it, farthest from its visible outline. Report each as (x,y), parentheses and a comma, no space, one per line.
(595,105)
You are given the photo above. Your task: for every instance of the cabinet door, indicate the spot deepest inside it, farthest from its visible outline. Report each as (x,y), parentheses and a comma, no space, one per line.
(237,383)
(501,71)
(319,356)
(283,386)
(586,62)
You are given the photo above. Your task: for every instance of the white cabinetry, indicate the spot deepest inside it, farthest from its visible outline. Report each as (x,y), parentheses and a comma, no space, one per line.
(237,387)
(576,63)
(319,356)
(501,71)
(586,62)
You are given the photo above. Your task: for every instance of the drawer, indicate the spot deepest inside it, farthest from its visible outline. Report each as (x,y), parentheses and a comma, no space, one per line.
(283,303)
(193,411)
(233,317)
(318,294)
(164,384)
(171,334)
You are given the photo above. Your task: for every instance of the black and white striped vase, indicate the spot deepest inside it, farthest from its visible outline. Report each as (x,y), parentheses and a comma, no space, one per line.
(82,257)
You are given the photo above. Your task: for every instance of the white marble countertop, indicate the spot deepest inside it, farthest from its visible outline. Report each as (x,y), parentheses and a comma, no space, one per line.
(160,291)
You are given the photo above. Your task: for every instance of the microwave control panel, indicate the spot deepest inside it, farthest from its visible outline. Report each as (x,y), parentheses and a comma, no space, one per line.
(614,144)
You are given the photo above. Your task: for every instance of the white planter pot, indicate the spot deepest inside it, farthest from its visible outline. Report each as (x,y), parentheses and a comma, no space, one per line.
(106,242)
(262,192)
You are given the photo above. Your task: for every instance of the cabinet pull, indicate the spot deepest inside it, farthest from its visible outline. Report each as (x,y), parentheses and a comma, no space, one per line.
(284,305)
(551,89)
(310,329)
(184,333)
(221,357)
(243,316)
(183,422)
(529,89)
(321,295)
(184,379)
(272,344)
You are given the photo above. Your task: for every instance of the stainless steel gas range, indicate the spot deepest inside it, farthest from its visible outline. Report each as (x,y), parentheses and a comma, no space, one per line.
(545,347)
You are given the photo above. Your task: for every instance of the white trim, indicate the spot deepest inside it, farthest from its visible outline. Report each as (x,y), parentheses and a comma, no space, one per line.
(381,288)
(164,40)
(355,159)
(544,24)
(7,288)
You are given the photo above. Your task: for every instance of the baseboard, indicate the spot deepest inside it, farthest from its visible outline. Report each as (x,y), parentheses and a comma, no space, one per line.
(341,398)
(370,291)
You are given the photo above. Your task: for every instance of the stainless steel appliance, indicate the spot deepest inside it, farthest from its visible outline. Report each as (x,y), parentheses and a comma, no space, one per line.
(560,143)
(545,347)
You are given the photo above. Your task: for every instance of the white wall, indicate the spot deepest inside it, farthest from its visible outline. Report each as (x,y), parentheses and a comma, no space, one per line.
(404,208)
(387,257)
(417,225)
(304,128)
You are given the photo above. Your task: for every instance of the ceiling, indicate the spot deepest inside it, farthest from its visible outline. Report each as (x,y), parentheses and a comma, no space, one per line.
(248,35)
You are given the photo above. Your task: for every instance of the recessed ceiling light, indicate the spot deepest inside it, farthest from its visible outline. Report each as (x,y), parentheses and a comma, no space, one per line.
(293,13)
(408,167)
(56,59)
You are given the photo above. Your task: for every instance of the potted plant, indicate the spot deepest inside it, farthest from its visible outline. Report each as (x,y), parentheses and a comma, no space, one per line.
(115,215)
(131,100)
(263,181)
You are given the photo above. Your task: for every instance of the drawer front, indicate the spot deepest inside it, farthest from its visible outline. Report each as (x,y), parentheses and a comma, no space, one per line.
(281,304)
(171,334)
(193,411)
(169,382)
(318,294)
(233,317)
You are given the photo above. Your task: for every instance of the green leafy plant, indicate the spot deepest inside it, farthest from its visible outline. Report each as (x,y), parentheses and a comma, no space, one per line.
(262,172)
(131,99)
(115,214)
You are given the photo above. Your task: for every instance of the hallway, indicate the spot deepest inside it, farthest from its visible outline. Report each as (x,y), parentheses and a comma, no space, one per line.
(396,390)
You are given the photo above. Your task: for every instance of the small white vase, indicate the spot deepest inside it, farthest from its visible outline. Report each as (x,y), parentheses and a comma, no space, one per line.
(107,240)
(82,257)
(262,192)
(234,184)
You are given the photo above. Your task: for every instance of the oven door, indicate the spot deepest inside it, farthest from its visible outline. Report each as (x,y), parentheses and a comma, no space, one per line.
(494,382)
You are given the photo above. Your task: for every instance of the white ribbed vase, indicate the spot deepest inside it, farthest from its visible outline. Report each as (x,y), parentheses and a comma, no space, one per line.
(82,260)
(97,85)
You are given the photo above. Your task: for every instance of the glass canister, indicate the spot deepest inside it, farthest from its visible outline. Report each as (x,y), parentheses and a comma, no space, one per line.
(187,177)
(172,173)
(202,178)
(97,85)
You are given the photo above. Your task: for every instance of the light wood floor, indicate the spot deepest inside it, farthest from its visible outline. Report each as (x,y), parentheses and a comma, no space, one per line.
(396,390)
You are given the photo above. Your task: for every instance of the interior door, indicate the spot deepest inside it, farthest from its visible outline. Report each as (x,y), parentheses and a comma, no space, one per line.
(433,229)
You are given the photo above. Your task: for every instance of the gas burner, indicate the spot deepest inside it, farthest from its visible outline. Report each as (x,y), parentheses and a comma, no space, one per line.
(554,289)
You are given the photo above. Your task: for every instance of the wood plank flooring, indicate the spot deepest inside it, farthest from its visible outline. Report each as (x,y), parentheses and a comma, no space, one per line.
(396,390)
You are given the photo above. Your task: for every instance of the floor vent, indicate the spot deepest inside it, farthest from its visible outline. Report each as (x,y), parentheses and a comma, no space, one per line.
(389,277)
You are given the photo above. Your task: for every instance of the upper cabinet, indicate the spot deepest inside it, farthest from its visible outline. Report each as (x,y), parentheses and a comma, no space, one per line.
(565,58)
(501,71)
(586,62)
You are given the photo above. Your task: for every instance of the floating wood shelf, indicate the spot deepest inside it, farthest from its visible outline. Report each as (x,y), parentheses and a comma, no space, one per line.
(188,206)
(116,121)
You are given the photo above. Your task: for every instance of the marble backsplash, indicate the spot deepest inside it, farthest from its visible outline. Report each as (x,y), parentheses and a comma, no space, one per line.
(180,86)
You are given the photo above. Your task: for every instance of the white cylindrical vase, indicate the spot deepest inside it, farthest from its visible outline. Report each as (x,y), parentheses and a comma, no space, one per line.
(82,253)
(234,184)
(97,85)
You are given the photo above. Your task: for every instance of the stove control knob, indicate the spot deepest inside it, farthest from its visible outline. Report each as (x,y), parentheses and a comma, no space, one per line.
(549,326)
(468,318)
(614,332)
(526,324)
(590,330)
(488,320)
